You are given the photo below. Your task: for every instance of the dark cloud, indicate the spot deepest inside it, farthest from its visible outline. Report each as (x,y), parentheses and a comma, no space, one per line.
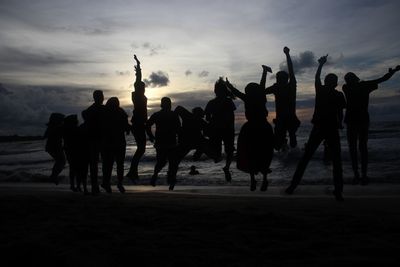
(188,72)
(301,62)
(157,79)
(25,109)
(26,58)
(203,74)
(4,91)
(84,30)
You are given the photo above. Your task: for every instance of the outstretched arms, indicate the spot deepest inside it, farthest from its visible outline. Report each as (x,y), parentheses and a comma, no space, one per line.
(286,50)
(138,70)
(321,61)
(388,75)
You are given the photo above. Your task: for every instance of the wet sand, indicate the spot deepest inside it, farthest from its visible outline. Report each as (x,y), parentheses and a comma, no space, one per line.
(199,226)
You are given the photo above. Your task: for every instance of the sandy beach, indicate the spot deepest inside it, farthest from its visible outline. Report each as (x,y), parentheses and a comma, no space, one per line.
(199,226)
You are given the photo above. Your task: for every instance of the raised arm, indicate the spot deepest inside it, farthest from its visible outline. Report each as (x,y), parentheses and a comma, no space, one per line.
(286,50)
(138,70)
(235,91)
(321,61)
(183,112)
(387,76)
(264,75)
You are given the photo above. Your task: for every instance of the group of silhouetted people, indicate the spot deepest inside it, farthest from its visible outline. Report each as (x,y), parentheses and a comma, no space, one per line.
(177,132)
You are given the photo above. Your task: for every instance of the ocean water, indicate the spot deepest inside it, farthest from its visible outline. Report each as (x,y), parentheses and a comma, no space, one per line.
(28,162)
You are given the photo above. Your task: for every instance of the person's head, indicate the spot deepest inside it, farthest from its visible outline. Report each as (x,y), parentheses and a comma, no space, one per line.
(198,112)
(220,89)
(140,87)
(331,80)
(71,121)
(252,88)
(98,97)
(282,77)
(113,103)
(56,119)
(166,103)
(350,78)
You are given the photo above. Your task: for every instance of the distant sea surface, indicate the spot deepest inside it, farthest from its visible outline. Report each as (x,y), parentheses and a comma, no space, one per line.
(26,161)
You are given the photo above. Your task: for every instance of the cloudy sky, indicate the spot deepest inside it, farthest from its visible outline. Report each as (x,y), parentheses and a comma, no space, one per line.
(53,54)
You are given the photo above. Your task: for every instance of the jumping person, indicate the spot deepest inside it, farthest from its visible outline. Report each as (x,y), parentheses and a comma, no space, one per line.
(357,119)
(221,117)
(327,120)
(138,121)
(165,140)
(284,91)
(255,142)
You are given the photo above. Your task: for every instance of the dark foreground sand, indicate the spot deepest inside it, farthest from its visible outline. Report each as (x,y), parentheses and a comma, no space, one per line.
(199,227)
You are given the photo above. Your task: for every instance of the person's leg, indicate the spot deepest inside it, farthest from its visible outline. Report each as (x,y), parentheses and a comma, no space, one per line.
(120,158)
(229,141)
(363,146)
(59,164)
(72,173)
(352,136)
(253,182)
(315,139)
(279,135)
(140,138)
(264,185)
(108,162)
(293,125)
(94,168)
(161,160)
(333,140)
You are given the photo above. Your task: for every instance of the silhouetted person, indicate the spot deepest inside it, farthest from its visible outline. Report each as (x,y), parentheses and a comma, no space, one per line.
(54,146)
(138,120)
(72,150)
(165,140)
(284,91)
(220,114)
(115,127)
(191,136)
(255,142)
(357,119)
(95,119)
(84,153)
(329,104)
(193,170)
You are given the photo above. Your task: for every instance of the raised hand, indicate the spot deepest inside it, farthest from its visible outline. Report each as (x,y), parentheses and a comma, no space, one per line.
(136,59)
(266,68)
(322,60)
(286,50)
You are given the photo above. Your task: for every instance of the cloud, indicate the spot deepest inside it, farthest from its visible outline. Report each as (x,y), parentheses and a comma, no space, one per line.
(203,74)
(188,72)
(157,79)
(123,73)
(301,63)
(26,109)
(27,58)
(4,91)
(150,48)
